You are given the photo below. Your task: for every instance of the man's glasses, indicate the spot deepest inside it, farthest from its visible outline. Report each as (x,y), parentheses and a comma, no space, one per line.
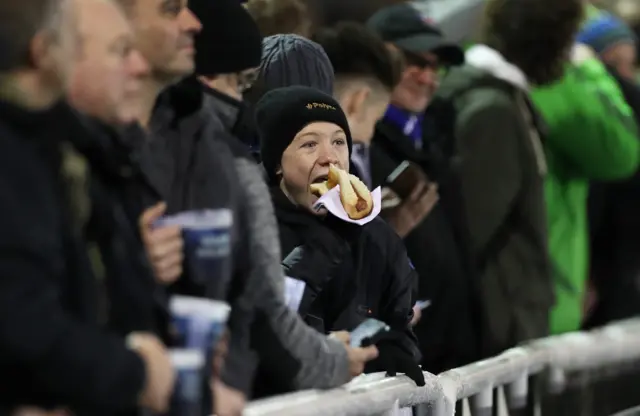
(246,79)
(414,59)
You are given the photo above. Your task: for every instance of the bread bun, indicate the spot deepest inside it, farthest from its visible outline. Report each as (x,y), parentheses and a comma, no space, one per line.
(363,196)
(333,178)
(354,195)
(324,187)
(319,189)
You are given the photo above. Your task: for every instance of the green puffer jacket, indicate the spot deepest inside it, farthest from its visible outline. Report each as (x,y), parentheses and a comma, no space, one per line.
(592,136)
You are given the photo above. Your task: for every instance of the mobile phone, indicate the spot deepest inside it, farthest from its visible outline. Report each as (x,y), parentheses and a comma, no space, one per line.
(404,179)
(371,329)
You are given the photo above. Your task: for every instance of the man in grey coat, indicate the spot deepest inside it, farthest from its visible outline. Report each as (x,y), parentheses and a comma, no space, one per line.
(284,345)
(191,161)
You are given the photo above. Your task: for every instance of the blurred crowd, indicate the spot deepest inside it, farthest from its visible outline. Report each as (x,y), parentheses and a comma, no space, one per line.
(161,249)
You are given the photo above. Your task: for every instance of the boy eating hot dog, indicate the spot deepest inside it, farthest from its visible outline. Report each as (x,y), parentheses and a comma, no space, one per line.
(351,272)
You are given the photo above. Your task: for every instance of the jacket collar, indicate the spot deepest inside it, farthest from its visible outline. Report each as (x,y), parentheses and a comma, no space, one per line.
(410,123)
(391,137)
(287,212)
(178,102)
(59,117)
(491,61)
(224,107)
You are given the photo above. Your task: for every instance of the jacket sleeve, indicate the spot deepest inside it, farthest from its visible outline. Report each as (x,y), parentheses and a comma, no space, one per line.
(490,172)
(397,309)
(600,136)
(67,358)
(241,361)
(316,361)
(631,92)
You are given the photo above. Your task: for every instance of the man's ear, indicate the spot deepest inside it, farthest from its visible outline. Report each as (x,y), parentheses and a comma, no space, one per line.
(204,79)
(356,101)
(41,54)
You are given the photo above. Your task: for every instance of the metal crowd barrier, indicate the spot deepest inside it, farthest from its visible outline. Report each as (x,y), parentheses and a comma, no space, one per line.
(559,375)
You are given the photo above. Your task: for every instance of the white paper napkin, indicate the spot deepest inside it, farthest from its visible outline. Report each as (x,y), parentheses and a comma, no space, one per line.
(293,291)
(331,201)
(423,304)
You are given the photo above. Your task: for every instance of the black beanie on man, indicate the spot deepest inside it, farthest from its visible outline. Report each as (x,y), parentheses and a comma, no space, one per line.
(229,41)
(281,114)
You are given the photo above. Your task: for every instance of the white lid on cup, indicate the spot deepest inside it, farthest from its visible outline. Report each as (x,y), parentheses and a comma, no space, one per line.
(187,359)
(200,220)
(213,218)
(187,306)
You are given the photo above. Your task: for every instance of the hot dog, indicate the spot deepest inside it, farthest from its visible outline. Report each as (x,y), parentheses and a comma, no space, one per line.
(354,195)
(319,188)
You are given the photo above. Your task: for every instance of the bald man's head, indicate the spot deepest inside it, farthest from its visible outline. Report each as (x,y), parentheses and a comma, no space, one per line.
(107,76)
(95,17)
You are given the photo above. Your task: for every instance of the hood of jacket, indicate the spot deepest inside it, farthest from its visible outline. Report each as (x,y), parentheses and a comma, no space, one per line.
(483,64)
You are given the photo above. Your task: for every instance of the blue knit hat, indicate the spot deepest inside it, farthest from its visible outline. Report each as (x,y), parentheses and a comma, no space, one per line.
(606,31)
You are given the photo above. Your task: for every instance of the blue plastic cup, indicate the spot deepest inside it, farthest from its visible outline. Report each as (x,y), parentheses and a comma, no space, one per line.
(187,398)
(207,251)
(198,323)
(207,248)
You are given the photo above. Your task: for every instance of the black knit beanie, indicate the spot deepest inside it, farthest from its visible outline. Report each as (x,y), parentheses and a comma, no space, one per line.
(229,41)
(281,114)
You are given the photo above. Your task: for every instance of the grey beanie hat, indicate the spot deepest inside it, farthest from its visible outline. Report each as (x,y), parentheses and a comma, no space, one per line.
(289,60)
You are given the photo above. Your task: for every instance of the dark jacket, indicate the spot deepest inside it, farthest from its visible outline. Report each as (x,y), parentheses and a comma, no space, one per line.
(192,170)
(615,228)
(498,137)
(117,187)
(53,351)
(351,272)
(451,327)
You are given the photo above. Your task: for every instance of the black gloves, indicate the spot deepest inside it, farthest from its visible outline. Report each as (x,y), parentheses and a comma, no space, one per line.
(393,359)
